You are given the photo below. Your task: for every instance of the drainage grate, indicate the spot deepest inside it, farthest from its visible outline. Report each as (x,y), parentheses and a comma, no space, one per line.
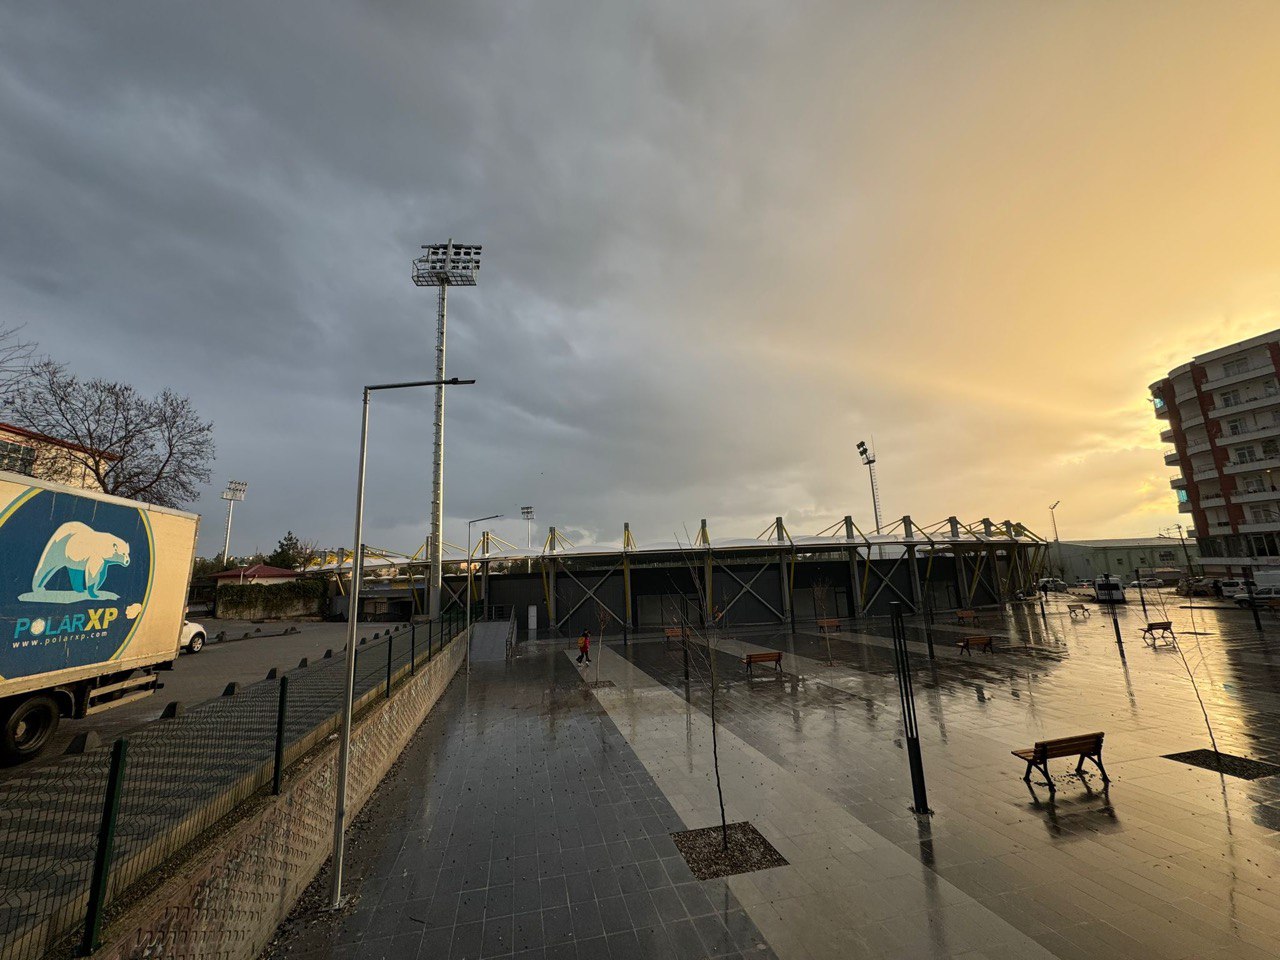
(1232,766)
(601,684)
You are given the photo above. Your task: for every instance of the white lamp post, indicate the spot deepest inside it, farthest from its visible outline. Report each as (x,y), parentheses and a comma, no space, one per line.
(233,494)
(353,612)
(444,265)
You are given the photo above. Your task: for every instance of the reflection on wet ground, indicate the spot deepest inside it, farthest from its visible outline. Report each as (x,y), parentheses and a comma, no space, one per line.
(1171,861)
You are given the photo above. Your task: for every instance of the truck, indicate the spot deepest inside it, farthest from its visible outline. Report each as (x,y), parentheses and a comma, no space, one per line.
(92,598)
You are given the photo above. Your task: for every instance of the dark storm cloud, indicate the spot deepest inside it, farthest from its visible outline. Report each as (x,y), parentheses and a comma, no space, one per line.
(723,241)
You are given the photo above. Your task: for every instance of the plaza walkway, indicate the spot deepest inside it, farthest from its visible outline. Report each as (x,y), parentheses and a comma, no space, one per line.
(538,800)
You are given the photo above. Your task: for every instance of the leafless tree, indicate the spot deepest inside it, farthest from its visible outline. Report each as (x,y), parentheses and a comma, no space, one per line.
(15,361)
(155,449)
(822,597)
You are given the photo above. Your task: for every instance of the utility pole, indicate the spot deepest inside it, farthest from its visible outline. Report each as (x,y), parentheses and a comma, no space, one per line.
(444,265)
(234,493)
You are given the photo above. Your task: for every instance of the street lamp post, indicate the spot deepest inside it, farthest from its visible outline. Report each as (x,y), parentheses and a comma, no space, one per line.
(470,523)
(233,495)
(353,612)
(443,265)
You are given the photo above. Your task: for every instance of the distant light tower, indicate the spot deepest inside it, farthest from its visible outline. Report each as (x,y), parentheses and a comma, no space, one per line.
(1054,517)
(869,458)
(234,492)
(444,265)
(527,513)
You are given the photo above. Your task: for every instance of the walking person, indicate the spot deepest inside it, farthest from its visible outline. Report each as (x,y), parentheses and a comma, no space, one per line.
(584,646)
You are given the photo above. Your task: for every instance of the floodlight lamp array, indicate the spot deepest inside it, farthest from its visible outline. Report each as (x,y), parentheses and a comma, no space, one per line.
(447,265)
(235,490)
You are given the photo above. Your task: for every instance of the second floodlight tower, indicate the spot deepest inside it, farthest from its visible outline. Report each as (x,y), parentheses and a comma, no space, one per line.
(443,265)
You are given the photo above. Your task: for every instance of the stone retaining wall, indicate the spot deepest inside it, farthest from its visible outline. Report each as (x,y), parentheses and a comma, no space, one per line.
(228,898)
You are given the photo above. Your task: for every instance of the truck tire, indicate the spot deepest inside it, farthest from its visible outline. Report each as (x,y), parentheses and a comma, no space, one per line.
(27,727)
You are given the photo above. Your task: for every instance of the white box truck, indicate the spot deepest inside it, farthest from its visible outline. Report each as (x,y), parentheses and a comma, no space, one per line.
(92,594)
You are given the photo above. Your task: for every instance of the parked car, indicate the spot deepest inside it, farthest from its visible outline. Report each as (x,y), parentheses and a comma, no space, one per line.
(193,637)
(1261,595)
(1147,583)
(1232,588)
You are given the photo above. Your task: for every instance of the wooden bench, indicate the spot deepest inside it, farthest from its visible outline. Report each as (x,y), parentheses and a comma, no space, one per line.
(828,625)
(773,656)
(967,616)
(1087,746)
(674,633)
(1078,608)
(966,645)
(1157,631)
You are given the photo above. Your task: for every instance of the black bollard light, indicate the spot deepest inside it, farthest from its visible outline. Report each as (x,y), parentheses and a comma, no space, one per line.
(908,699)
(1137,578)
(1253,605)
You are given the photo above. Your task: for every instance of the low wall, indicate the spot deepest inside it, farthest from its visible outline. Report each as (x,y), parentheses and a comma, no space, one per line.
(228,898)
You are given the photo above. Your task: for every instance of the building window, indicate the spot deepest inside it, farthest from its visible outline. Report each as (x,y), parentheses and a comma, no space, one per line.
(1237,426)
(1253,485)
(1270,388)
(1229,398)
(1260,514)
(17,458)
(1246,454)
(1232,367)
(1166,556)
(1271,448)
(1182,496)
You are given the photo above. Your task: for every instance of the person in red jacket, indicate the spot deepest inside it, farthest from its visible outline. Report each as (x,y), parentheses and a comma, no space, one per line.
(584,646)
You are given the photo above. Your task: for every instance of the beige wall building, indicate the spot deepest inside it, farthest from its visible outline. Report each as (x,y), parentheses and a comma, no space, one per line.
(35,455)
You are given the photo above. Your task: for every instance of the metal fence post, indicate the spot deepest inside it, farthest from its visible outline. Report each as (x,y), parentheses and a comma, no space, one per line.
(280,714)
(390,642)
(908,699)
(106,841)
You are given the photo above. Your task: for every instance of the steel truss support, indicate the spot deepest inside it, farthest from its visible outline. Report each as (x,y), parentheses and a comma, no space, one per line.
(885,581)
(855,595)
(747,588)
(590,595)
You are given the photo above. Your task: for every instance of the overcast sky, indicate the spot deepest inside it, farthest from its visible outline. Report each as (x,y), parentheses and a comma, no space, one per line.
(723,242)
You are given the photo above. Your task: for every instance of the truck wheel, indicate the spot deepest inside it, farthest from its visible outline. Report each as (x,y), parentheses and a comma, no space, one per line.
(196,644)
(28,725)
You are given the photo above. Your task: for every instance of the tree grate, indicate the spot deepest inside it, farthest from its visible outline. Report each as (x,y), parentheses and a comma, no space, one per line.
(703,850)
(1232,766)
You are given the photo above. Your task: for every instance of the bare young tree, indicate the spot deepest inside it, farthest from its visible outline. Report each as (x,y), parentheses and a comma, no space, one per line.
(15,361)
(155,449)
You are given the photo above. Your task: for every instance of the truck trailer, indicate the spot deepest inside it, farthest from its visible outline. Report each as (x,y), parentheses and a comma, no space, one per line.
(93,590)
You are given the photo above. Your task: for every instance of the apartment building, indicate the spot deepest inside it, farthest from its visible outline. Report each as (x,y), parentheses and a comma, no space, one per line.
(1223,411)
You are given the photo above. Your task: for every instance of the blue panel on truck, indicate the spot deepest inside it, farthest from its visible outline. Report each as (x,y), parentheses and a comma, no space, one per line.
(75,579)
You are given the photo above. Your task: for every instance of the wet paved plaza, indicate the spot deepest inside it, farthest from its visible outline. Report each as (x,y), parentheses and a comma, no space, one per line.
(540,799)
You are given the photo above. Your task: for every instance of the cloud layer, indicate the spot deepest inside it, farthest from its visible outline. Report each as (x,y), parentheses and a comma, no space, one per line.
(723,243)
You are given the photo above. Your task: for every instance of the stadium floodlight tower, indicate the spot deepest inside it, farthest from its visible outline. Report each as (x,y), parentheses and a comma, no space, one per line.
(527,513)
(443,265)
(234,492)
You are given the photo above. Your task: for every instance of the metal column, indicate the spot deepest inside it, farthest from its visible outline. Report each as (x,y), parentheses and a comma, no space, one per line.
(626,575)
(551,576)
(783,584)
(908,531)
(855,587)
(709,614)
(437,469)
(962,582)
(484,572)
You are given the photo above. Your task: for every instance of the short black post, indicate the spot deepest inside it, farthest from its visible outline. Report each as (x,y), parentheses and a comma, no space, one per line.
(1248,586)
(1115,624)
(1137,578)
(1044,617)
(280,714)
(684,644)
(907,698)
(928,620)
(106,842)
(413,649)
(390,643)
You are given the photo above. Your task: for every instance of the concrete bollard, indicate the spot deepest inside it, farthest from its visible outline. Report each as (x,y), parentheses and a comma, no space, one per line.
(232,689)
(303,662)
(273,673)
(173,710)
(328,654)
(84,742)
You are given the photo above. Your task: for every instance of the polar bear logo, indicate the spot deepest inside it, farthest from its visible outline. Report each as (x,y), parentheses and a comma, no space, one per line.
(85,554)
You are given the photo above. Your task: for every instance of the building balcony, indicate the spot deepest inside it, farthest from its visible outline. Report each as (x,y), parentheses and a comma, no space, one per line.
(1204,473)
(1184,506)
(1269,463)
(1200,446)
(1268,526)
(1172,459)
(1257,496)
(1178,482)
(1213,500)
(1239,561)
(1263,368)
(1195,420)
(1161,408)
(1166,435)
(1256,434)
(1252,403)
